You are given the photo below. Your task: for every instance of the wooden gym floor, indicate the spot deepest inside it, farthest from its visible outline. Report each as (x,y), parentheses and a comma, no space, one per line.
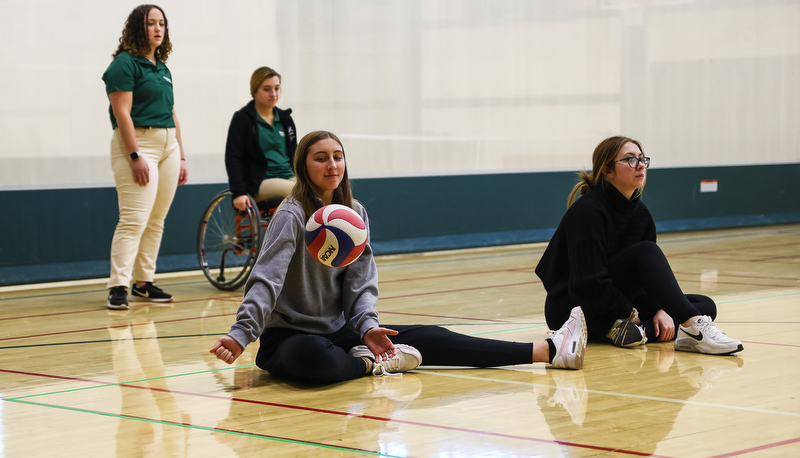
(80,380)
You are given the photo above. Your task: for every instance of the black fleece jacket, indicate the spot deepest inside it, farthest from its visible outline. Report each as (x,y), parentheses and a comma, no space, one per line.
(574,267)
(244,160)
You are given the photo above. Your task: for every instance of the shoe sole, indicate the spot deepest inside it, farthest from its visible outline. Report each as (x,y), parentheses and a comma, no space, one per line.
(111,306)
(694,349)
(582,342)
(148,299)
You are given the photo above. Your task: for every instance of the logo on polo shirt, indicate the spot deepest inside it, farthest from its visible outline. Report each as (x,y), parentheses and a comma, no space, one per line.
(168,80)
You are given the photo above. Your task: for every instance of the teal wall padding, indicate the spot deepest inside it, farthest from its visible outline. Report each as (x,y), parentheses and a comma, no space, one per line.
(61,234)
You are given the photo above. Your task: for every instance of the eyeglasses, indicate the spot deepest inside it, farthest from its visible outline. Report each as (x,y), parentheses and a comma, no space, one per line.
(633,162)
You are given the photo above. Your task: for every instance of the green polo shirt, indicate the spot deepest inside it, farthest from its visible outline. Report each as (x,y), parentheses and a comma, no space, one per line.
(272,140)
(151,86)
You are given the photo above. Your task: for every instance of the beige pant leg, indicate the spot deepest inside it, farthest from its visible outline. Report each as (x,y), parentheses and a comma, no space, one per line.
(275,187)
(142,209)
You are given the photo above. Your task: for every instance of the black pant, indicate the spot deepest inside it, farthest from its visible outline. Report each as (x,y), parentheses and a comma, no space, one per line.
(323,358)
(642,273)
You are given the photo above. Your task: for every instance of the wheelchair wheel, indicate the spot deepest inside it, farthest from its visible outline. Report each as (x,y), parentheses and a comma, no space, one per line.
(228,242)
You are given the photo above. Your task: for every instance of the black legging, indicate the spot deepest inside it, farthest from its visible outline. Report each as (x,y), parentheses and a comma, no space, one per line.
(642,273)
(324,358)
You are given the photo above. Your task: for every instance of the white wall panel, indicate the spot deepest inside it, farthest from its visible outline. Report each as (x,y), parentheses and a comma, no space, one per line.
(419,87)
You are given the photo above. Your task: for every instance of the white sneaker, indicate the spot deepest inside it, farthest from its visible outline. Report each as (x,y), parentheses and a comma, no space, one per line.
(704,337)
(405,359)
(570,341)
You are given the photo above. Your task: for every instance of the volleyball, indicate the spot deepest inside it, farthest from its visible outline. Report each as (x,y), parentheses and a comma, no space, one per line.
(336,235)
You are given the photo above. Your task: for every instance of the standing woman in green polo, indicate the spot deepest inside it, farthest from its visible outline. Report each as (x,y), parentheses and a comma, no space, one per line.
(261,142)
(146,153)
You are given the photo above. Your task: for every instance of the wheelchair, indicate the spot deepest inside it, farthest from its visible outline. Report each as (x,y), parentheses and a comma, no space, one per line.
(228,240)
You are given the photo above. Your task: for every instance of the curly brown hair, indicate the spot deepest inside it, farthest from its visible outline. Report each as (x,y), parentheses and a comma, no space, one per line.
(134,37)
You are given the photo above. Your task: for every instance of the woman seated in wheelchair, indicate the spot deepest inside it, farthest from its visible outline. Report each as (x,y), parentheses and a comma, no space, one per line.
(261,142)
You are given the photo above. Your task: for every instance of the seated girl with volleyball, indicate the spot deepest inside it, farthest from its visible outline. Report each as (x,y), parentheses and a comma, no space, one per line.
(315,314)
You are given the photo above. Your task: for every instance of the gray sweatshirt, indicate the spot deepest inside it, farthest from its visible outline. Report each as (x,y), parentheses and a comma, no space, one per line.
(288,288)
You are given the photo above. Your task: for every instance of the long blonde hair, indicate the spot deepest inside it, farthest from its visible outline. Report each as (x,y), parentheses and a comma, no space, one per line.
(604,155)
(304,190)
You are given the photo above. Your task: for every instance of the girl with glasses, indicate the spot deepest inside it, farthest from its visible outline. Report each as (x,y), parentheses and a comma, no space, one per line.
(603,257)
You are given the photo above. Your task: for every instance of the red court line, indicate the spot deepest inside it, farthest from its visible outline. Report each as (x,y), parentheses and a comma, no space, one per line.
(119,326)
(462,274)
(445,316)
(383,312)
(756,277)
(221,315)
(430,293)
(59,377)
(74,331)
(249,434)
(25,317)
(736,249)
(775,258)
(479,432)
(733,258)
(773,344)
(531,269)
(211,428)
(734,283)
(759,448)
(98,310)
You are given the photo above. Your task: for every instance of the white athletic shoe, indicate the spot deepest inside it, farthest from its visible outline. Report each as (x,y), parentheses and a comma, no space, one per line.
(405,359)
(703,336)
(570,341)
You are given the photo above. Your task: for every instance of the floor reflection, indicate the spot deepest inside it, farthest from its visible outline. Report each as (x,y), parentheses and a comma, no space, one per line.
(371,412)
(656,375)
(136,357)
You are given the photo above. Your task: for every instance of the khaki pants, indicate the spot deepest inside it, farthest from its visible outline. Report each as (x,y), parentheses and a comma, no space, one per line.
(142,209)
(275,187)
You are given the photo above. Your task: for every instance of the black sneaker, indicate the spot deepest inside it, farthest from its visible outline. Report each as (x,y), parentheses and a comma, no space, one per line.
(117,298)
(627,333)
(149,293)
